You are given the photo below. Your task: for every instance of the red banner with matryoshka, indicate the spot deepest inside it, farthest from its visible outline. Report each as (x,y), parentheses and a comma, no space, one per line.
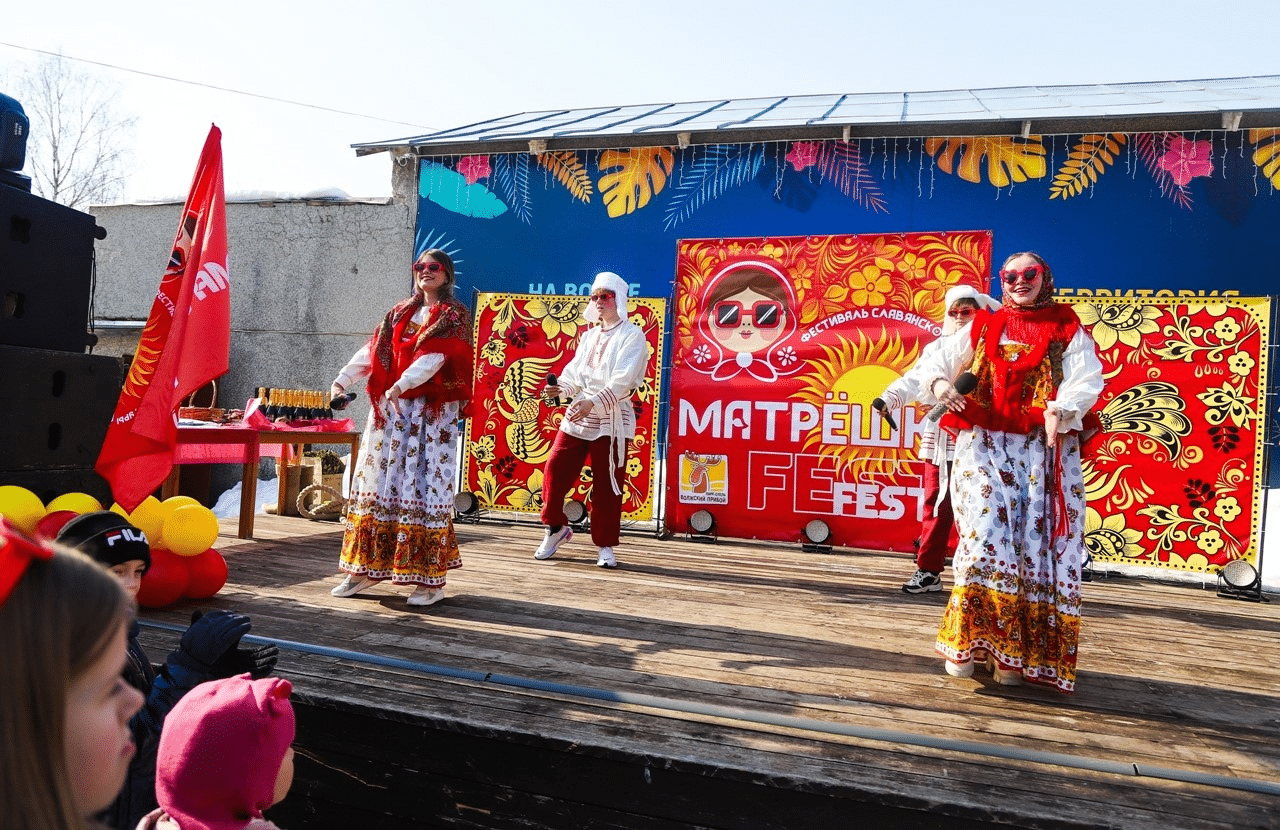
(781,344)
(1175,480)
(520,338)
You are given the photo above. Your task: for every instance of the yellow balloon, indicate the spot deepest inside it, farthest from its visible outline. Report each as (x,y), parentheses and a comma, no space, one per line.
(116,508)
(79,503)
(173,503)
(149,518)
(191,530)
(21,507)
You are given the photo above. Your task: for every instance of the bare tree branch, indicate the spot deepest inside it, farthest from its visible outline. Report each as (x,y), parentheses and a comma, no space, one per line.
(77,149)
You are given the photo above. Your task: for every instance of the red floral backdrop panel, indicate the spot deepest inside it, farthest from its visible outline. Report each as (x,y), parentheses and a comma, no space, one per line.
(1175,479)
(781,346)
(520,338)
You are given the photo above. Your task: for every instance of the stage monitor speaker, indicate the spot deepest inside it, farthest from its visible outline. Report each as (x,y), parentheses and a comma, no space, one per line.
(57,407)
(46,271)
(49,484)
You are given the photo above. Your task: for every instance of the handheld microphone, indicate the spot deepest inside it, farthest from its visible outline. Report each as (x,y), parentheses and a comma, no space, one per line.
(340,401)
(878,405)
(553,381)
(964,384)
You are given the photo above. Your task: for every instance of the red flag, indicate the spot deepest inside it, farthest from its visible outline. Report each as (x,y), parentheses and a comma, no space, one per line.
(185,343)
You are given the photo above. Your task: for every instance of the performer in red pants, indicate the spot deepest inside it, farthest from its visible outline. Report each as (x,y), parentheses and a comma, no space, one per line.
(598,422)
(936,449)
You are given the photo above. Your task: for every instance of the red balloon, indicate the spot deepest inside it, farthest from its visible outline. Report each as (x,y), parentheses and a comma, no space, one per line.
(208,574)
(165,581)
(49,526)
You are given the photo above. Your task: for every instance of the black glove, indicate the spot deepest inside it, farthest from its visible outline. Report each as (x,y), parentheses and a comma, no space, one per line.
(209,637)
(258,661)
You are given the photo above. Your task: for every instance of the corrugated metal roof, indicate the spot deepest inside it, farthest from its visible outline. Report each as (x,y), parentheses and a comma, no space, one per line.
(1040,110)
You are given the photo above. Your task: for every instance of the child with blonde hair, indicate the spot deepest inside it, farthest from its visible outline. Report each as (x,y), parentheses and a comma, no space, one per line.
(64,708)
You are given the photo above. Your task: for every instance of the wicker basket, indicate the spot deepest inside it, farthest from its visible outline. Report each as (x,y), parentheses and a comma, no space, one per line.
(202,413)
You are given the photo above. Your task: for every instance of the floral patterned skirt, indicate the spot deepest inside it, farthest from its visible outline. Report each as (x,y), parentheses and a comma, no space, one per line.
(1017,587)
(400,511)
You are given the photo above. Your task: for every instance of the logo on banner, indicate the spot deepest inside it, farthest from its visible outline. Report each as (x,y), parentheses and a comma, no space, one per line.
(704,479)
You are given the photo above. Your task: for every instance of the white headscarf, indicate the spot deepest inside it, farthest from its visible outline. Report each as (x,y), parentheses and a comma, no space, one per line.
(950,325)
(608,281)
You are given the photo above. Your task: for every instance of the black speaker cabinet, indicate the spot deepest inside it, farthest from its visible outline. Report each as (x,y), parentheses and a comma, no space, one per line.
(49,484)
(46,269)
(57,406)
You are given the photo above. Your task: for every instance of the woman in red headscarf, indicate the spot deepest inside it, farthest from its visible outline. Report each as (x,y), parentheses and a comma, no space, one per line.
(400,510)
(1016,484)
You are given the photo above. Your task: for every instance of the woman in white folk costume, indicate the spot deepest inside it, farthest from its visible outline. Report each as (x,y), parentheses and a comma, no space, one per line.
(418,367)
(598,422)
(1016,484)
(937,448)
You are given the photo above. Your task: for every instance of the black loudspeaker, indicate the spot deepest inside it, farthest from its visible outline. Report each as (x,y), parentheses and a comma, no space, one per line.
(49,484)
(56,407)
(46,271)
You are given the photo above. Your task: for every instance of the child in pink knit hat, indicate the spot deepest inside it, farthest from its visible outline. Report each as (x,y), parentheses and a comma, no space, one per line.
(224,756)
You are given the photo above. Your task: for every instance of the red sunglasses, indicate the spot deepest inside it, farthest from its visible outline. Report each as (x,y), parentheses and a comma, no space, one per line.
(1028,274)
(963,311)
(420,267)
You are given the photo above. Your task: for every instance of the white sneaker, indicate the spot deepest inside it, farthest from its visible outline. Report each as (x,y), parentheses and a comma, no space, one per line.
(422,595)
(605,559)
(960,669)
(551,542)
(353,584)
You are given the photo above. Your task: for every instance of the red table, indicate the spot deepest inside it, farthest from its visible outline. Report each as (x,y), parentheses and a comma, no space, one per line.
(240,444)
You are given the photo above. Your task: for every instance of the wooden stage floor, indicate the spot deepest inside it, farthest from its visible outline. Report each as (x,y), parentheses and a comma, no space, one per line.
(745,668)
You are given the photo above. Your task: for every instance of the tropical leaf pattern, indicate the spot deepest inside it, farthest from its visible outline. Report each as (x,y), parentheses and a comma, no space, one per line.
(1266,153)
(1008,159)
(1088,160)
(569,170)
(1150,147)
(630,178)
(714,170)
(511,178)
(840,163)
(449,189)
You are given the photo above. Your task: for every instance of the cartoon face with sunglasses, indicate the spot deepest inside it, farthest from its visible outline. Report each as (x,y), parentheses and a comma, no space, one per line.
(747,314)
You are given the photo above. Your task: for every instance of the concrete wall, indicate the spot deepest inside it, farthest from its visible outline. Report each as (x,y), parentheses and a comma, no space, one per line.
(309,281)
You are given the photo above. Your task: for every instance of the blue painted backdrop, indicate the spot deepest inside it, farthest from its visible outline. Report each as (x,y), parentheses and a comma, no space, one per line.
(1196,212)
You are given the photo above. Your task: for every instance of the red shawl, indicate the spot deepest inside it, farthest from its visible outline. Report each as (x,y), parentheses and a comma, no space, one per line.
(446,331)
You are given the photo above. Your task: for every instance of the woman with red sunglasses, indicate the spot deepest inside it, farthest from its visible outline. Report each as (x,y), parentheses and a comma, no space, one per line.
(1016,485)
(417,366)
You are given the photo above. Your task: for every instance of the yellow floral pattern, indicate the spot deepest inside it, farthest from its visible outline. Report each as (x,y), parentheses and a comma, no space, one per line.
(519,340)
(1175,479)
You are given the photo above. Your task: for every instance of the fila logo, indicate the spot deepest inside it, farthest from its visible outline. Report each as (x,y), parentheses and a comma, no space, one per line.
(125,534)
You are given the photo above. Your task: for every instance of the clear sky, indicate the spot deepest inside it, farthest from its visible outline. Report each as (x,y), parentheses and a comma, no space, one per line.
(405,67)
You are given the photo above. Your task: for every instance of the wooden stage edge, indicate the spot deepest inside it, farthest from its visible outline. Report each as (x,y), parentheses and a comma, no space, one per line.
(738,685)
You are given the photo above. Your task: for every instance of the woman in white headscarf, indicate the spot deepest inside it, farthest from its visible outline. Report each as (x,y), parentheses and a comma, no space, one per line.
(599,420)
(937,448)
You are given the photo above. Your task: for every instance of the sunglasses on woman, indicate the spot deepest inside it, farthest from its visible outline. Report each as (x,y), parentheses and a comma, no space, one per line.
(966,311)
(765,314)
(603,295)
(1028,274)
(423,267)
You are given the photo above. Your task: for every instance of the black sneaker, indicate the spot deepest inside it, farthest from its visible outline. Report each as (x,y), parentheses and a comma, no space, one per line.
(922,582)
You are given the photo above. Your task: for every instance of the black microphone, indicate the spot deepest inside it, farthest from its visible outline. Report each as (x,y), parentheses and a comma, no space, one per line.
(553,381)
(964,384)
(340,402)
(878,404)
